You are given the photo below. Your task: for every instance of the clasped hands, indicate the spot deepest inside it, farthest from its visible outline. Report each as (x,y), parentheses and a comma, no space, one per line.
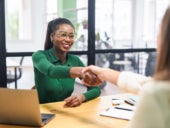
(90,75)
(90,79)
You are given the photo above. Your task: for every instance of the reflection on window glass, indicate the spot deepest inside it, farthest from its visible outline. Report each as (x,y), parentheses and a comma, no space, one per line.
(51,9)
(122,19)
(104,24)
(113,23)
(19,26)
(81,25)
(119,23)
(153,12)
(122,25)
(141,62)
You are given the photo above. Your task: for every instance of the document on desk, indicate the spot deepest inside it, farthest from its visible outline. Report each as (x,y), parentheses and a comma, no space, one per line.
(121,111)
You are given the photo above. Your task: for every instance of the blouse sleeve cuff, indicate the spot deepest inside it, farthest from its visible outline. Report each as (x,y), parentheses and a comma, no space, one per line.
(131,82)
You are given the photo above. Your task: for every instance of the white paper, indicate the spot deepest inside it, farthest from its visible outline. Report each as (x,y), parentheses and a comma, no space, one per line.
(118,113)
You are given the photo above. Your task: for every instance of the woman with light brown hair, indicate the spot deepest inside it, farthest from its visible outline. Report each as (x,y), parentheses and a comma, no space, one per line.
(153,107)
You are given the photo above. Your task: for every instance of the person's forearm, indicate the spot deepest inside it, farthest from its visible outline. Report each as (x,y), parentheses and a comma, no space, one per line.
(76,72)
(92,92)
(131,82)
(111,75)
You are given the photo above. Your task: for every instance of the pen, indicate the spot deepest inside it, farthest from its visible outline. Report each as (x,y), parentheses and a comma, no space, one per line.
(126,109)
(115,99)
(132,99)
(107,109)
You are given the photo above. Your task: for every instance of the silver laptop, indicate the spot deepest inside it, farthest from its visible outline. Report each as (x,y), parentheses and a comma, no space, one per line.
(21,107)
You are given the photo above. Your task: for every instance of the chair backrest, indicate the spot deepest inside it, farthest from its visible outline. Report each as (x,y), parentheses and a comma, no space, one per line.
(11,77)
(20,68)
(151,64)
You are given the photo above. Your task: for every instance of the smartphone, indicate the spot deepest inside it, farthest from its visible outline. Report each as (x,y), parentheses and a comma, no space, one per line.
(132,100)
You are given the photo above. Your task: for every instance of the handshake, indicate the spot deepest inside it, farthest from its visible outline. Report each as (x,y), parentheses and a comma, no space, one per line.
(90,75)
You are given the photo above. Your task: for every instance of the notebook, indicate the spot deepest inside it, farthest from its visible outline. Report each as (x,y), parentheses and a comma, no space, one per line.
(121,111)
(21,107)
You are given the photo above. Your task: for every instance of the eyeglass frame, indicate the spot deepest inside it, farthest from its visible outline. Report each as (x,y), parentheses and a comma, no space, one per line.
(71,36)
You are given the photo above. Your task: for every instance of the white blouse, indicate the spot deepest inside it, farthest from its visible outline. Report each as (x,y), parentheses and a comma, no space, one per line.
(131,82)
(153,107)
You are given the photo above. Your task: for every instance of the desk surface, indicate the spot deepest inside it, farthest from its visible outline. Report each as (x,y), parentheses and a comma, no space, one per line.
(84,116)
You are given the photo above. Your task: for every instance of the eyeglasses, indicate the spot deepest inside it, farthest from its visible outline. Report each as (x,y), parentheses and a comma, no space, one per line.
(64,35)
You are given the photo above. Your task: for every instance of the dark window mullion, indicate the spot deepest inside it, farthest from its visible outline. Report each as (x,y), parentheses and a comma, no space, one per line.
(91,32)
(3,76)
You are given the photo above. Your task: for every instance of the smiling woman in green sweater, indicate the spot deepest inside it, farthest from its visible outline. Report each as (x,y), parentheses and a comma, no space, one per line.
(55,70)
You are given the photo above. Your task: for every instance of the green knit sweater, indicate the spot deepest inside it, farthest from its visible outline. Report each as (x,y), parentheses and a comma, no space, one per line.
(52,78)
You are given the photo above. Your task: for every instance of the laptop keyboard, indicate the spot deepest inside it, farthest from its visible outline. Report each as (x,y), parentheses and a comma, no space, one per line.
(45,116)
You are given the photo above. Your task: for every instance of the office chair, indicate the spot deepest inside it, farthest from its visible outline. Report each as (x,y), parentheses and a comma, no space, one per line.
(151,64)
(16,75)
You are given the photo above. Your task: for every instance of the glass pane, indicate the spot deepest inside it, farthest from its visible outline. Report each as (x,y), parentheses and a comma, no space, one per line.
(104,24)
(19,26)
(83,58)
(24,72)
(153,12)
(26,22)
(111,29)
(128,23)
(80,22)
(51,9)
(142,63)
(123,11)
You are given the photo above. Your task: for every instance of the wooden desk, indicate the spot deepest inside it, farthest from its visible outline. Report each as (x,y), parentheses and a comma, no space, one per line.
(84,116)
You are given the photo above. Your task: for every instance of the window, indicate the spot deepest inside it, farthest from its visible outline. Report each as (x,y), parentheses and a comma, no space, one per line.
(18,17)
(51,9)
(114,23)
(153,12)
